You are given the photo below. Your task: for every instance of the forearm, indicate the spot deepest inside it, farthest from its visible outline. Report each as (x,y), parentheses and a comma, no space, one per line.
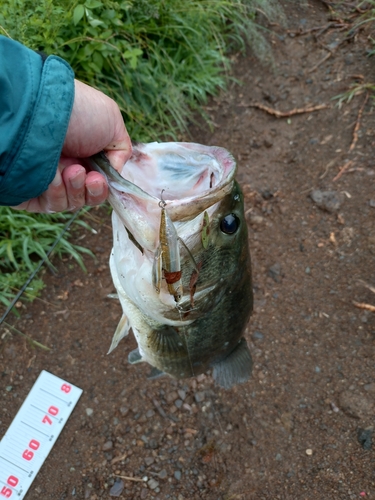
(36,101)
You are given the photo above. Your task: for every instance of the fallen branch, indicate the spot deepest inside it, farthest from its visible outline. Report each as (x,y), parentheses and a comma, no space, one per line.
(357,125)
(320,29)
(286,114)
(363,305)
(342,170)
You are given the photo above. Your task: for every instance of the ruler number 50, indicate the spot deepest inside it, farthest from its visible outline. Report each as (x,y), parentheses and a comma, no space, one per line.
(7,492)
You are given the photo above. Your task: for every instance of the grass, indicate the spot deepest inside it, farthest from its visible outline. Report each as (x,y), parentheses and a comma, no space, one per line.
(25,239)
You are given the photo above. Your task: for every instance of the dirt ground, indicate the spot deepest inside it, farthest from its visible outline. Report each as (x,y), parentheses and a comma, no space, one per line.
(301,428)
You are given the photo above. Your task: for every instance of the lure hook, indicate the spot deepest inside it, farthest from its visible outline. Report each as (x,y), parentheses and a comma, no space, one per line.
(162,203)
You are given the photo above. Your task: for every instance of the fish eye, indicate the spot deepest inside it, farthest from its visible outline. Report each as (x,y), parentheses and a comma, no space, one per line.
(230,224)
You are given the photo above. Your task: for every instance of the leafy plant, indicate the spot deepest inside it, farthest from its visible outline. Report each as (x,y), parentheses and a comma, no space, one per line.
(158,59)
(25,239)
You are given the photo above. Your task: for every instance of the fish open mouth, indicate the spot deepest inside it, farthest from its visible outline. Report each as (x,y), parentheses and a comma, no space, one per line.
(179,170)
(187,178)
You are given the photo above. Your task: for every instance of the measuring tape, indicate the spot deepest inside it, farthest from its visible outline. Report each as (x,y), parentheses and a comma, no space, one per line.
(33,433)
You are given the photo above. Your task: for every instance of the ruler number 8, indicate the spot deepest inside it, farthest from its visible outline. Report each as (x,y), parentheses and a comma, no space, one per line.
(66,388)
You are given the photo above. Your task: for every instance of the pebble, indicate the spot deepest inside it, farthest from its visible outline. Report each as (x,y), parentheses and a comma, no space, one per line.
(330,201)
(163,474)
(177,475)
(171,396)
(199,396)
(117,488)
(150,413)
(178,403)
(152,484)
(182,394)
(355,405)
(256,220)
(364,437)
(275,272)
(153,444)
(309,452)
(149,460)
(370,387)
(89,412)
(258,335)
(124,410)
(108,445)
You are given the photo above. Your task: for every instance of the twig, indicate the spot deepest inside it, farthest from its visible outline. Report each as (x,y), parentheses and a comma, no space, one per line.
(320,29)
(5,31)
(286,114)
(29,339)
(330,53)
(128,478)
(371,288)
(357,125)
(330,164)
(342,170)
(363,305)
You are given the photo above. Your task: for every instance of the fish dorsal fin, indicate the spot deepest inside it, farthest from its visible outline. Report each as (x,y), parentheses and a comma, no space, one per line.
(121,331)
(135,357)
(235,368)
(155,373)
(167,342)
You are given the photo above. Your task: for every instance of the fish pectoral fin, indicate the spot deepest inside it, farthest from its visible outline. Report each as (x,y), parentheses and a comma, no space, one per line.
(135,357)
(167,342)
(236,368)
(155,373)
(121,331)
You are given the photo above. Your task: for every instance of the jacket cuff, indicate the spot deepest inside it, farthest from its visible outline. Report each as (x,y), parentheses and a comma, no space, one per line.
(34,165)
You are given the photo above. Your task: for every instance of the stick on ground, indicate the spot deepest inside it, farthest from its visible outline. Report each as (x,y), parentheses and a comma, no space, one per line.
(357,125)
(286,114)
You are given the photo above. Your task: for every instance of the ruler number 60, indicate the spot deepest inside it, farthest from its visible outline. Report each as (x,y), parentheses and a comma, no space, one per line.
(28,454)
(7,492)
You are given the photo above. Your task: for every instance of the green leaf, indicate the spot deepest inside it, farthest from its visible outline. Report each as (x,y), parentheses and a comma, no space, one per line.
(78,14)
(93,4)
(96,22)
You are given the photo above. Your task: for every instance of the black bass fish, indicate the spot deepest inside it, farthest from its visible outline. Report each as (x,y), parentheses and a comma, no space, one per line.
(180,260)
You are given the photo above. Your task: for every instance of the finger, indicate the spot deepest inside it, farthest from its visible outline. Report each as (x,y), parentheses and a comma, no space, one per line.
(54,199)
(74,177)
(96,189)
(119,152)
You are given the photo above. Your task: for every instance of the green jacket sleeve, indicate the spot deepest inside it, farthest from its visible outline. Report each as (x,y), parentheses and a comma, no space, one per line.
(36,100)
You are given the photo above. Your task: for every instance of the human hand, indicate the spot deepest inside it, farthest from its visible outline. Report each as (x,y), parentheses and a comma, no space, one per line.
(95,124)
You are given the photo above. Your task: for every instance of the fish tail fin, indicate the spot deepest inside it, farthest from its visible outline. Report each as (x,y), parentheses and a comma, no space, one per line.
(121,331)
(236,368)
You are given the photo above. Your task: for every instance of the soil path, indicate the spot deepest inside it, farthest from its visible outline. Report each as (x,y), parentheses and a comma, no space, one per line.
(301,427)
